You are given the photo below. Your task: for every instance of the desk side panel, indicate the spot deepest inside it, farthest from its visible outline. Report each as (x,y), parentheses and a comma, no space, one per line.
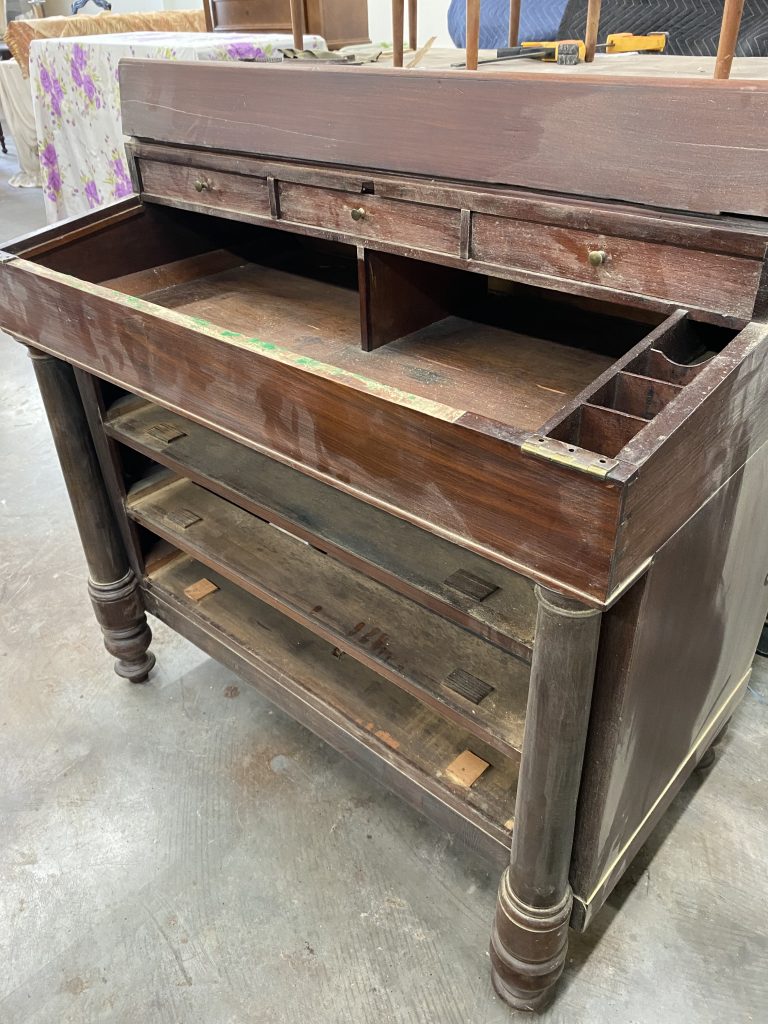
(674,656)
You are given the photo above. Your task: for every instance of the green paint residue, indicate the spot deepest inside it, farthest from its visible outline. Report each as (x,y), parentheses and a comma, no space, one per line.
(269,348)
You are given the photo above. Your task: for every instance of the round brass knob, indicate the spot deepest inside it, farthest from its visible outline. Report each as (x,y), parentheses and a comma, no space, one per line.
(201,185)
(597,257)
(358,213)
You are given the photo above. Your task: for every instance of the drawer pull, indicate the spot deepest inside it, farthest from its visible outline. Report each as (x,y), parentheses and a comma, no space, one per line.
(358,213)
(597,257)
(201,185)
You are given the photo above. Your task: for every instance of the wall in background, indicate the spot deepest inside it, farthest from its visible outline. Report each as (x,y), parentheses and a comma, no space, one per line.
(432,21)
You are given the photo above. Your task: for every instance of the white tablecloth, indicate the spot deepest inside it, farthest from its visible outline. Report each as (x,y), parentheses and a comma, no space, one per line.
(77,104)
(16,105)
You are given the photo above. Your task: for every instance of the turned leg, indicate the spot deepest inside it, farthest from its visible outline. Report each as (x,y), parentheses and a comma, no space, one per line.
(530,932)
(710,756)
(112,586)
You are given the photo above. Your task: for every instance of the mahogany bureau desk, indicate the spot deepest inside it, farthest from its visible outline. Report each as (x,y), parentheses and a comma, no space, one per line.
(434,405)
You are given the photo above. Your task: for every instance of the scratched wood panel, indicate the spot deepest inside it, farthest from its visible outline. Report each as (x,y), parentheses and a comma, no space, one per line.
(405,558)
(394,450)
(407,644)
(714,425)
(302,674)
(673,651)
(685,276)
(502,373)
(507,129)
(219,190)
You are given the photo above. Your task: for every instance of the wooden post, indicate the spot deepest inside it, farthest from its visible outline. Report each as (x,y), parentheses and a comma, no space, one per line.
(729,37)
(590,34)
(297,23)
(412,25)
(473,33)
(112,586)
(530,932)
(398,21)
(514,22)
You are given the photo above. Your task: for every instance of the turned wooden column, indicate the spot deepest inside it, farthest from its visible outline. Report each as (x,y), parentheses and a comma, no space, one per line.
(112,585)
(530,932)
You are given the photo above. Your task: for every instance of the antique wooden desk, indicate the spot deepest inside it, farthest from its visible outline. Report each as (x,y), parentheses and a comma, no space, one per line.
(443,424)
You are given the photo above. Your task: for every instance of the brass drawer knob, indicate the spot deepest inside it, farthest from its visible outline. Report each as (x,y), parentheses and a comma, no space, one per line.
(201,185)
(597,257)
(358,213)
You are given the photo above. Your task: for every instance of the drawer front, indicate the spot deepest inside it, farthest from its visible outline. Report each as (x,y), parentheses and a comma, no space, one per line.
(218,190)
(371,218)
(687,277)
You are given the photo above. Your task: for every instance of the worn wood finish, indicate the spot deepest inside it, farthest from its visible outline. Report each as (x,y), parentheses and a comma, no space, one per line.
(705,442)
(408,560)
(365,217)
(729,37)
(219,190)
(304,113)
(400,296)
(514,22)
(112,585)
(590,33)
(366,525)
(703,280)
(407,645)
(458,362)
(530,933)
(473,33)
(674,660)
(400,741)
(728,235)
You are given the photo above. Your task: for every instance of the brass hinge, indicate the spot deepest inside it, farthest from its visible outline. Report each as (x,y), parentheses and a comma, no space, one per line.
(570,455)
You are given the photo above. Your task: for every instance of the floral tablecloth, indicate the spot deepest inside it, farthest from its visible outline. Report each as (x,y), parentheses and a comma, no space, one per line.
(77,104)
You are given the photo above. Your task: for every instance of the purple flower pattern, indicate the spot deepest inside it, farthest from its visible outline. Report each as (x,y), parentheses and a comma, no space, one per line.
(49,161)
(77,106)
(78,69)
(92,194)
(53,90)
(244,51)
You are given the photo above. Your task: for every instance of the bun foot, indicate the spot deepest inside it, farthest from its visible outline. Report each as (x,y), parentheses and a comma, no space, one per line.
(121,616)
(528,949)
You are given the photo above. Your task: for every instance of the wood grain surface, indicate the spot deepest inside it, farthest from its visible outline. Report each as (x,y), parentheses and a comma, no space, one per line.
(396,638)
(678,144)
(410,561)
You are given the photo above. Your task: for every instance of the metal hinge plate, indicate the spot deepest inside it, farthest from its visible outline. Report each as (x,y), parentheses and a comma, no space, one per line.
(569,455)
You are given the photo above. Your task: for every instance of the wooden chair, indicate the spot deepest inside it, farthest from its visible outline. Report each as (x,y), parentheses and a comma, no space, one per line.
(729,31)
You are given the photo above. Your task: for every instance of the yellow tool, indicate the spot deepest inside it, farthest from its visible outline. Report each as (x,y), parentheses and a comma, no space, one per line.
(573,51)
(563,51)
(627,42)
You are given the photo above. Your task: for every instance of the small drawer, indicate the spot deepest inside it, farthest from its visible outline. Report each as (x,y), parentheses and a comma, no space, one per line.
(370,217)
(692,278)
(218,190)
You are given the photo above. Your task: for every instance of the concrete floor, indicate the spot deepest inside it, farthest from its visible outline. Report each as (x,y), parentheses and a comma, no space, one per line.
(181,853)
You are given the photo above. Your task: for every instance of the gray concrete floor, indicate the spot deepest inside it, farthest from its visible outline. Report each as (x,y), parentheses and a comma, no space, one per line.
(181,852)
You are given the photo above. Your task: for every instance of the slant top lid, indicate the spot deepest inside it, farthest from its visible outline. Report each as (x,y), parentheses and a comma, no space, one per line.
(680,144)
